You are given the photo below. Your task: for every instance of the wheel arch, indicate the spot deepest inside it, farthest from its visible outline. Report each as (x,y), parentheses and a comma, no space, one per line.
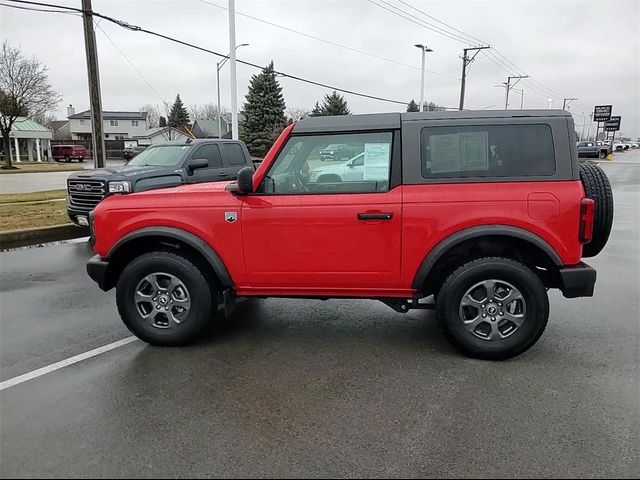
(165,238)
(519,241)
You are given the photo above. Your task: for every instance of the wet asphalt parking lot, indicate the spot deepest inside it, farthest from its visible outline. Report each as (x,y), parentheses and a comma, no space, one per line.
(309,388)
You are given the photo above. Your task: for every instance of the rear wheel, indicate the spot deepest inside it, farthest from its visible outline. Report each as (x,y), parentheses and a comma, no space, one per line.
(493,308)
(164,299)
(603,154)
(81,159)
(597,187)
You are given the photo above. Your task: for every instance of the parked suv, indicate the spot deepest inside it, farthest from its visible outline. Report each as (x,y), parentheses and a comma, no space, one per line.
(473,214)
(160,166)
(69,152)
(336,152)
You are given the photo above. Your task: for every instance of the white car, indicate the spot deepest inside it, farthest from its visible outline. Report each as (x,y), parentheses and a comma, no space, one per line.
(350,171)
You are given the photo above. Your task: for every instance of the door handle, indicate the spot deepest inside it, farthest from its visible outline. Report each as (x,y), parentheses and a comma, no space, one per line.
(375,216)
(223,174)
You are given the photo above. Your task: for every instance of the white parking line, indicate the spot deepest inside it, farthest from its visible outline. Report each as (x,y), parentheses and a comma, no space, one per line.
(64,363)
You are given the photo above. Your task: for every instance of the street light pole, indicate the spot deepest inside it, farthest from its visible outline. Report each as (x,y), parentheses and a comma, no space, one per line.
(233,78)
(219,66)
(424,49)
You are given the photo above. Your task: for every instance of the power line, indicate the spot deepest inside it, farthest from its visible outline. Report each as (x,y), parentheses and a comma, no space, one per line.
(137,28)
(324,40)
(538,86)
(503,66)
(131,63)
(38,9)
(412,18)
(329,42)
(475,39)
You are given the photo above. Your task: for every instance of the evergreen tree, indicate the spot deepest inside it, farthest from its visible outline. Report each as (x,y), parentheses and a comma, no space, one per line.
(162,122)
(178,116)
(334,104)
(317,111)
(413,106)
(263,112)
(432,107)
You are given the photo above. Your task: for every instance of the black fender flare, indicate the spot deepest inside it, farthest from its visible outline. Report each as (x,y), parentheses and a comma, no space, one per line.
(172,233)
(480,231)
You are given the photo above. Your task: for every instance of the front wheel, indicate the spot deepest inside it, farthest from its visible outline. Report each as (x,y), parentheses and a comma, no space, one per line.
(493,308)
(164,299)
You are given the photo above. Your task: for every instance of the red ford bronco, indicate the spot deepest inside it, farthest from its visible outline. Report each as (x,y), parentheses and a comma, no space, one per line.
(473,214)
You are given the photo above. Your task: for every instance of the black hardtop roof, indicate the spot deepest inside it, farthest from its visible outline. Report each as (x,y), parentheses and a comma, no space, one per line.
(197,141)
(385,121)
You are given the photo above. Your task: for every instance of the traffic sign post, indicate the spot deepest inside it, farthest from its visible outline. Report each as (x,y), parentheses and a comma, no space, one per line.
(601,113)
(613,125)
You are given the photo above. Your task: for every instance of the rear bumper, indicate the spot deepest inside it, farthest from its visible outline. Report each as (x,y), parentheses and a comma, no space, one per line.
(97,270)
(577,281)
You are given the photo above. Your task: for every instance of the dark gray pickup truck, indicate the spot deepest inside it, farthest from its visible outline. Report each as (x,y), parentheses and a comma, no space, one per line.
(159,166)
(593,149)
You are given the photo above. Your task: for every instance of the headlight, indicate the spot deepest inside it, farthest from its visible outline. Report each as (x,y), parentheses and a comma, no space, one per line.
(119,187)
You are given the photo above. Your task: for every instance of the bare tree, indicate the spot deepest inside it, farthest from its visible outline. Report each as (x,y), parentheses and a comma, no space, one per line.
(296,114)
(153,115)
(208,111)
(24,90)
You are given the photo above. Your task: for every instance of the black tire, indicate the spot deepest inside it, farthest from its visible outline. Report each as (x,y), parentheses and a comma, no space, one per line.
(603,154)
(535,315)
(199,289)
(597,187)
(81,159)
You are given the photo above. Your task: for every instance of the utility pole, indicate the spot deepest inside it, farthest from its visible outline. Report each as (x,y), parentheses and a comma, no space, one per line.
(232,57)
(515,77)
(466,61)
(97,134)
(566,102)
(424,49)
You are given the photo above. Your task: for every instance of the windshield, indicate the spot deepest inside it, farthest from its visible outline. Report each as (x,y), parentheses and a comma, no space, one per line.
(164,156)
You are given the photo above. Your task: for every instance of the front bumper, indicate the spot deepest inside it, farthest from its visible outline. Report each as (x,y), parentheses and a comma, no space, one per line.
(97,268)
(577,281)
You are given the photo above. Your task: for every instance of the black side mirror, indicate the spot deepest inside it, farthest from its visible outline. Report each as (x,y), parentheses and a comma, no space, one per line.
(196,164)
(245,180)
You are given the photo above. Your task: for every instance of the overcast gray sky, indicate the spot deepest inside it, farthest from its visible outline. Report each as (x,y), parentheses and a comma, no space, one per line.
(581,48)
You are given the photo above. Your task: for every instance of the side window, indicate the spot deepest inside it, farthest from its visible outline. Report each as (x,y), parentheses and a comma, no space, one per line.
(487,151)
(211,152)
(233,155)
(303,166)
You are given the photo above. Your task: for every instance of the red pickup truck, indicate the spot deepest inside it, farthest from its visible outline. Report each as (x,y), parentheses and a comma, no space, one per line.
(473,214)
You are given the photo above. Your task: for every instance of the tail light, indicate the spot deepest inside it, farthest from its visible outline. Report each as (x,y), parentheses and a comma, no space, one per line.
(587,211)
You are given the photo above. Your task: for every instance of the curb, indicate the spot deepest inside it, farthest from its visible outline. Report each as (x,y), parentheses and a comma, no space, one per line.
(35,236)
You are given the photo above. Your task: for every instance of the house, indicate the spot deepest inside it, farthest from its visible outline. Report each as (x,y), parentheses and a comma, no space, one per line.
(61,130)
(209,128)
(30,140)
(155,136)
(116,125)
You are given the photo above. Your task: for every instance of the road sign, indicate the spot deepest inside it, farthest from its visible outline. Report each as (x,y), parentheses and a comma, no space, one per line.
(613,125)
(602,113)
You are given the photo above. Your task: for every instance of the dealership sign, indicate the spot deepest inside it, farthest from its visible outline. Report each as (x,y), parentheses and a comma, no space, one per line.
(602,113)
(613,125)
